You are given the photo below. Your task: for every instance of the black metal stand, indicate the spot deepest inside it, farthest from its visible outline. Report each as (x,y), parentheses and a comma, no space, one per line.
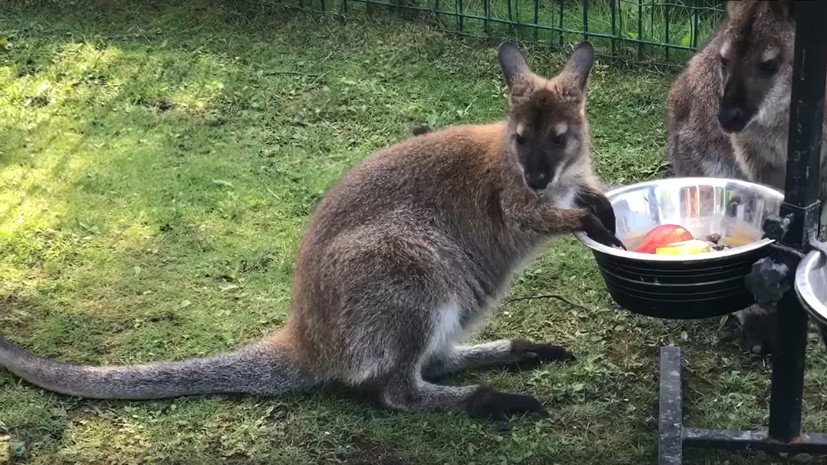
(794,230)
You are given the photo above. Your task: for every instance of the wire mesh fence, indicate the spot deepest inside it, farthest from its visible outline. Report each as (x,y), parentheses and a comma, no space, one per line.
(629,30)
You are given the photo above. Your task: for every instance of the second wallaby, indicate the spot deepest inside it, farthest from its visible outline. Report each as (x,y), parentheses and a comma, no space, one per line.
(729,115)
(403,257)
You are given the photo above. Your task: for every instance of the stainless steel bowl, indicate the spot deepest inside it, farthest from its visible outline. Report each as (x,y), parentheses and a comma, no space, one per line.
(811,284)
(693,286)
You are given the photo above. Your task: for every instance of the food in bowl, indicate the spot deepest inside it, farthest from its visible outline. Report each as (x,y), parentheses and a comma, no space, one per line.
(685,248)
(673,239)
(663,236)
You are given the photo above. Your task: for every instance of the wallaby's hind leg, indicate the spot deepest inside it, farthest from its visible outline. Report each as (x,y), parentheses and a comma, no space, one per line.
(520,353)
(403,311)
(758,328)
(411,393)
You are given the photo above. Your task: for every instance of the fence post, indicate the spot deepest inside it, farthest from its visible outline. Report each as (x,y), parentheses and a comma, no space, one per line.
(459,16)
(536,17)
(561,22)
(487,24)
(666,20)
(613,6)
(696,23)
(640,30)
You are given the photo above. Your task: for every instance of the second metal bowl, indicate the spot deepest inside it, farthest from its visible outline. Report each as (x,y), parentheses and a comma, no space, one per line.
(811,284)
(693,286)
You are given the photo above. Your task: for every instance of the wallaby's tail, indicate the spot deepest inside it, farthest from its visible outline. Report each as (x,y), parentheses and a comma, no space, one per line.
(262,369)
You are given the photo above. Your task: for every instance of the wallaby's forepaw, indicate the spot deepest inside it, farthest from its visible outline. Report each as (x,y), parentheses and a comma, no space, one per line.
(531,354)
(598,204)
(499,406)
(594,228)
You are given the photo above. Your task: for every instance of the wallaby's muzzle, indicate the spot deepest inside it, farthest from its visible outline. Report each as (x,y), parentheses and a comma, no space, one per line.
(732,118)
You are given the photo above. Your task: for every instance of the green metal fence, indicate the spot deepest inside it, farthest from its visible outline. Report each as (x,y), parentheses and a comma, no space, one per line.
(628,30)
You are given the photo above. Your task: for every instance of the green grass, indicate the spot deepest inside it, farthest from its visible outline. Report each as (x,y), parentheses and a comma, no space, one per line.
(158,165)
(651,31)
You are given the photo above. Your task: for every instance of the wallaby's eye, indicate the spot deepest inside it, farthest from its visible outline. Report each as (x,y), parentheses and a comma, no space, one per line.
(519,139)
(768,68)
(559,140)
(724,61)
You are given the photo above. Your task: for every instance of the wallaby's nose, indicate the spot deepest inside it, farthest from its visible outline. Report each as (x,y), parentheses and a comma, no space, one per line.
(732,118)
(537,180)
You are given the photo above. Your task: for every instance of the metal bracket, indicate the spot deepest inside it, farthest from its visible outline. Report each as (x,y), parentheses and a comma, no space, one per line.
(776,227)
(799,224)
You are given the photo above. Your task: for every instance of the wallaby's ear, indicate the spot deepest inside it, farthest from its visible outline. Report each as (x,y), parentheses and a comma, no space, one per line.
(513,63)
(580,64)
(785,9)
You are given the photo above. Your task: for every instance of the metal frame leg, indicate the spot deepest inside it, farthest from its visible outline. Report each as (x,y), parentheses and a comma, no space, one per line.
(788,370)
(674,435)
(670,448)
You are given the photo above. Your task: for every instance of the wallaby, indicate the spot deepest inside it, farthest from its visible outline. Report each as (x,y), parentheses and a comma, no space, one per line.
(729,115)
(402,258)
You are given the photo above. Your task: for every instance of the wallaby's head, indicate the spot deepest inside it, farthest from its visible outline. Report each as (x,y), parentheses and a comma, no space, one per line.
(755,60)
(547,128)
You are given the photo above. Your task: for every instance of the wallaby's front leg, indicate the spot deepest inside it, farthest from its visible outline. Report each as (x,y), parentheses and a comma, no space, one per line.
(409,392)
(596,202)
(531,213)
(520,353)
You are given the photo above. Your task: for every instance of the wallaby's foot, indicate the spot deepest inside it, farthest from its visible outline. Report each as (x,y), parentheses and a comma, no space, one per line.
(758,340)
(498,406)
(758,326)
(413,394)
(520,353)
(532,354)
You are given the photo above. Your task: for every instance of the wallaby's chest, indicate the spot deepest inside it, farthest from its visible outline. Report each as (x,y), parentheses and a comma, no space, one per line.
(763,154)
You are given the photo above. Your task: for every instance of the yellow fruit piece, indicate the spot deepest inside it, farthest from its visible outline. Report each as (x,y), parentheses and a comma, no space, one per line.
(737,241)
(684,248)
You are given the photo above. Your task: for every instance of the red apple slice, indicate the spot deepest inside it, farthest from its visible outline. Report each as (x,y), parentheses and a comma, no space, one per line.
(663,235)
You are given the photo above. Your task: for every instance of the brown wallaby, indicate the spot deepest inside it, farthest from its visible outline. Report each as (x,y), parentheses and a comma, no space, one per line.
(729,115)
(403,257)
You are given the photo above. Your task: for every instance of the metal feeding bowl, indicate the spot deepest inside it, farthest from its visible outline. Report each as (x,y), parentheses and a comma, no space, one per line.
(690,286)
(811,284)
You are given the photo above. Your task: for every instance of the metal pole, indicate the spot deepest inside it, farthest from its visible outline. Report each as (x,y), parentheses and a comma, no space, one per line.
(788,370)
(806,121)
(670,423)
(801,206)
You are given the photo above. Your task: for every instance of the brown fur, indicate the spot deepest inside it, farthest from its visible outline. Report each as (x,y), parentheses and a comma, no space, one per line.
(729,114)
(403,257)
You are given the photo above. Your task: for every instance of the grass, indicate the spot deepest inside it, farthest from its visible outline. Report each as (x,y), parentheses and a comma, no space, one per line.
(159,161)
(651,31)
